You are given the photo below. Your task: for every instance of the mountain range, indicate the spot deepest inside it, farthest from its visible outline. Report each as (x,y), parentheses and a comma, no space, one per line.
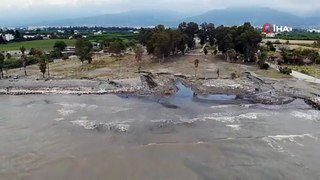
(229,16)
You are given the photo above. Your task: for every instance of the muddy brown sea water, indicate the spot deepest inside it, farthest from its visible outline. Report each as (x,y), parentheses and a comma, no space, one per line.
(65,137)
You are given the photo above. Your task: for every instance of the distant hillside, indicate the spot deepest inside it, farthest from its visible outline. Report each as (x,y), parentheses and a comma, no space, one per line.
(256,16)
(230,16)
(130,18)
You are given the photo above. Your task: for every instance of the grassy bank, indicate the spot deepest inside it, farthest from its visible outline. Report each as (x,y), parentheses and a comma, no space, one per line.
(312,70)
(271,73)
(37,44)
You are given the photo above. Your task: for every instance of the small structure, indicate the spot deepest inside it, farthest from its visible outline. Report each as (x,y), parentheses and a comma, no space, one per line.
(307,61)
(29,37)
(69,50)
(97,33)
(96,45)
(271,35)
(277,59)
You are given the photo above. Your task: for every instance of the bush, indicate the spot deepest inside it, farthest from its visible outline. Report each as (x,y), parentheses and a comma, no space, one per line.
(32,60)
(264,66)
(13,63)
(60,45)
(277,42)
(233,75)
(56,54)
(65,57)
(285,70)
(299,62)
(305,72)
(262,63)
(272,48)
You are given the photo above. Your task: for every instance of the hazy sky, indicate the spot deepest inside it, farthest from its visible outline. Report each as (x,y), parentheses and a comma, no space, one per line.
(57,9)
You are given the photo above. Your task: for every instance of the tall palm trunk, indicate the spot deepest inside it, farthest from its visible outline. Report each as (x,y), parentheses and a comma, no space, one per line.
(25,65)
(48,70)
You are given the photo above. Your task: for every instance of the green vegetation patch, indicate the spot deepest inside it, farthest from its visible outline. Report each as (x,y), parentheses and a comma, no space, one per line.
(299,36)
(271,73)
(121,36)
(312,70)
(37,44)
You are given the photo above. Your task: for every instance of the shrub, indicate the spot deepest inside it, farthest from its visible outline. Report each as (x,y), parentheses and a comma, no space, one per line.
(65,57)
(262,62)
(55,54)
(13,63)
(233,75)
(272,48)
(285,70)
(299,62)
(277,42)
(9,56)
(32,60)
(264,66)
(305,72)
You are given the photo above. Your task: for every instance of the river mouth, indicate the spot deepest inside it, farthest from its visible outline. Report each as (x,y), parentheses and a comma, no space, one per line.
(106,136)
(185,92)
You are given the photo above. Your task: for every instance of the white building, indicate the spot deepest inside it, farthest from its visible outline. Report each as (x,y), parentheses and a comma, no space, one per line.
(28,36)
(314,30)
(8,37)
(270,35)
(97,33)
(61,31)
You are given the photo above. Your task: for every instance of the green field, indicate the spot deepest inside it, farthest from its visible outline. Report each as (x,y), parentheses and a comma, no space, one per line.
(298,36)
(115,35)
(37,44)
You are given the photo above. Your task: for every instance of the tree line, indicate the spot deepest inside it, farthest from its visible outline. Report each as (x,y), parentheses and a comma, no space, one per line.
(234,42)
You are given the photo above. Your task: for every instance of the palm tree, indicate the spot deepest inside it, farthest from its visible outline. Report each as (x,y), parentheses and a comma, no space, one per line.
(42,65)
(1,64)
(138,51)
(196,65)
(295,56)
(22,49)
(23,57)
(231,53)
(24,63)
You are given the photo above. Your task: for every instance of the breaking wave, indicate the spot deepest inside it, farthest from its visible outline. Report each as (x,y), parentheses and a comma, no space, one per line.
(235,127)
(100,126)
(275,141)
(59,119)
(73,105)
(64,112)
(312,115)
(119,109)
(229,119)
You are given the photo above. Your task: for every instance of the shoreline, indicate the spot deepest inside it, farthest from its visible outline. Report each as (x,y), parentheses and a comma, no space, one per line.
(247,87)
